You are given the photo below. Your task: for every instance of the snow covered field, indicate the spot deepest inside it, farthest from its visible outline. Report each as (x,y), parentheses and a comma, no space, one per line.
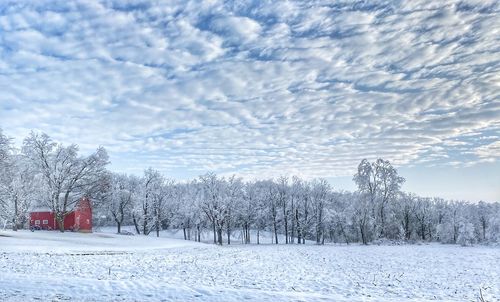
(50,266)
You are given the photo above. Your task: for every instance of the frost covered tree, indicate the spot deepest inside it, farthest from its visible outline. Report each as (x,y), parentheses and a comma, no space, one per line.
(295,195)
(149,208)
(405,213)
(233,196)
(57,176)
(423,213)
(465,233)
(189,214)
(272,201)
(67,176)
(282,194)
(5,177)
(319,198)
(304,213)
(18,187)
(341,214)
(380,182)
(493,230)
(214,203)
(121,196)
(481,214)
(163,205)
(362,217)
(247,210)
(5,148)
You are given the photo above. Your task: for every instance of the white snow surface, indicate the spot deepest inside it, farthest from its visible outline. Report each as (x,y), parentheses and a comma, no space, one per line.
(54,266)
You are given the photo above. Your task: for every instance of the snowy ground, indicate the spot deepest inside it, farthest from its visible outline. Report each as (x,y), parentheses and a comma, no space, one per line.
(47,266)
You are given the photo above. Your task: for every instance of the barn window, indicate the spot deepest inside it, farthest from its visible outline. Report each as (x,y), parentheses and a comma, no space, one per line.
(45,222)
(37,222)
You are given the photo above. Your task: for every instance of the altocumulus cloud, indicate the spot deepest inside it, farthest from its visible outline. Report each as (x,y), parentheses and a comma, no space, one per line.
(260,88)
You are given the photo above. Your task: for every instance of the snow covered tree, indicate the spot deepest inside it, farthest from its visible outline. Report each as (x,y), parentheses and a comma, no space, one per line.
(465,233)
(405,210)
(18,189)
(246,211)
(189,213)
(121,197)
(57,176)
(319,198)
(214,203)
(380,182)
(423,217)
(282,193)
(67,177)
(148,208)
(482,214)
(493,231)
(163,207)
(272,201)
(341,214)
(362,217)
(304,216)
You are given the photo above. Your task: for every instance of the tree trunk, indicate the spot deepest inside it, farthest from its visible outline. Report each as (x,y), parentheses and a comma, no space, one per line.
(304,231)
(219,235)
(319,226)
(157,226)
(215,234)
(343,232)
(60,222)
(184,231)
(422,230)
(407,227)
(382,221)
(318,233)
(299,232)
(119,227)
(16,215)
(285,216)
(363,236)
(483,225)
(248,234)
(275,231)
(145,222)
(258,236)
(199,233)
(136,224)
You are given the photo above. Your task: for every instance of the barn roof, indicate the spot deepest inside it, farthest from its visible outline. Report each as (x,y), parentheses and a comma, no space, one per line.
(41,209)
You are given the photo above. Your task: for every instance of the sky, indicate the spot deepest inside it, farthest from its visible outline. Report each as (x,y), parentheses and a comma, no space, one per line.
(263,88)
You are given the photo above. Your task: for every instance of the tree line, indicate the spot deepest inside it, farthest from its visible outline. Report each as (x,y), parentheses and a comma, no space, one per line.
(45,173)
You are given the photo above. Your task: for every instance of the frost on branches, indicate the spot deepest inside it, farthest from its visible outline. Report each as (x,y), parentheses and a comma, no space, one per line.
(220,209)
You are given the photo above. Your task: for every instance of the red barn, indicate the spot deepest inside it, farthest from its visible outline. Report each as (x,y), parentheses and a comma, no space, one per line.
(79,220)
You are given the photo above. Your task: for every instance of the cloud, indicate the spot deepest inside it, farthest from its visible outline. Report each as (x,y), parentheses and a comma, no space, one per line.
(260,88)
(488,152)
